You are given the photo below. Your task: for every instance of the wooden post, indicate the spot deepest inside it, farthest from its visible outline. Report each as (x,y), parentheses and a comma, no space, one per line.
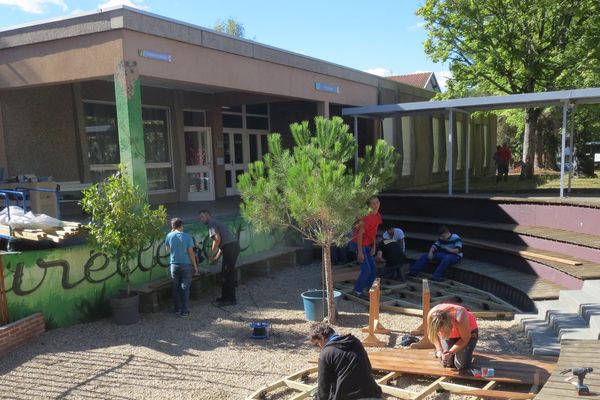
(424,343)
(374,325)
(3,301)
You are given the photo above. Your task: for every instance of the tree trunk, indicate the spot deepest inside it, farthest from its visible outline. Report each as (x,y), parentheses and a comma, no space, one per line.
(529,140)
(326,252)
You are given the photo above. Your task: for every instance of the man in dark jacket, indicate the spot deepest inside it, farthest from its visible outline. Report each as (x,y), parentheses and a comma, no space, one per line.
(344,367)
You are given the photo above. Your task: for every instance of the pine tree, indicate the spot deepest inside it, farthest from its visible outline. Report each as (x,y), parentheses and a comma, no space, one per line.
(313,189)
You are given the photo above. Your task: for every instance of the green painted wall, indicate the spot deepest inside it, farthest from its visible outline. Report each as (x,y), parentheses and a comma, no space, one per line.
(72,284)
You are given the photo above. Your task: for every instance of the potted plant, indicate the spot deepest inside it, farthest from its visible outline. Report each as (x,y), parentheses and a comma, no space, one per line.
(121,223)
(313,188)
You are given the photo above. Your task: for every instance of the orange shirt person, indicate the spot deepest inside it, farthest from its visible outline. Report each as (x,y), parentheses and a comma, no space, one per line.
(454,333)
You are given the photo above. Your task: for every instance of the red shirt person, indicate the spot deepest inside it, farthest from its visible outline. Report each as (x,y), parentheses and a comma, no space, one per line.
(503,156)
(363,242)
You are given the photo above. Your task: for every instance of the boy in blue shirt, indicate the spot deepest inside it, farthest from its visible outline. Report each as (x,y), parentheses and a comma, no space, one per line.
(180,245)
(446,251)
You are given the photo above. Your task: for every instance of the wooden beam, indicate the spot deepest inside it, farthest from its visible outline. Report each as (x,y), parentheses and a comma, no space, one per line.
(374,325)
(424,343)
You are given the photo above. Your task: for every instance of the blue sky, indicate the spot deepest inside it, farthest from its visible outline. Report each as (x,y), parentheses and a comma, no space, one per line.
(382,36)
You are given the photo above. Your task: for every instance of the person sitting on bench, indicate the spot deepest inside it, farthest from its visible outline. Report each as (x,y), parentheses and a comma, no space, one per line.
(454,333)
(446,251)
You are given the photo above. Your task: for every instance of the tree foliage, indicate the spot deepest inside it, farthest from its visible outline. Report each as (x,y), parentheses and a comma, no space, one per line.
(513,46)
(231,27)
(121,220)
(312,188)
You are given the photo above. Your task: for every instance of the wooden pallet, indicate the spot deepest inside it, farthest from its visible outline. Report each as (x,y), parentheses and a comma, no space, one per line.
(56,235)
(406,297)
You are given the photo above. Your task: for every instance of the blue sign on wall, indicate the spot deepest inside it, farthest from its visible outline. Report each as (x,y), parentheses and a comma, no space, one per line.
(155,55)
(326,87)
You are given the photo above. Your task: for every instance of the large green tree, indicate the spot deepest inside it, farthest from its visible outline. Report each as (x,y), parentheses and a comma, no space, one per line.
(313,188)
(513,46)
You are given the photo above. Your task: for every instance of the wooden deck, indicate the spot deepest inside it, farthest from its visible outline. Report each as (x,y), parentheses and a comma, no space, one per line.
(516,369)
(574,353)
(582,270)
(558,235)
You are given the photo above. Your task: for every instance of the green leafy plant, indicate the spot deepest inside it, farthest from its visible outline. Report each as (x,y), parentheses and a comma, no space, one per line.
(313,188)
(121,220)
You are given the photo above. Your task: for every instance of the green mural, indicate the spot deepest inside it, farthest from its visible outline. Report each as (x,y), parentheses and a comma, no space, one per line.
(73,284)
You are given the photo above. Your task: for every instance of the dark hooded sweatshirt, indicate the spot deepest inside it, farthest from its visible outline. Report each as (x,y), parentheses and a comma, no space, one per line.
(345,371)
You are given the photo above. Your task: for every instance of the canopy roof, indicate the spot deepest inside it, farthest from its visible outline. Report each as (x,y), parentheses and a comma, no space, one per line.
(472,104)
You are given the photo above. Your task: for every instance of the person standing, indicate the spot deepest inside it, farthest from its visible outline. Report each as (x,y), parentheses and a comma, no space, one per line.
(446,251)
(224,244)
(503,156)
(180,246)
(363,243)
(344,367)
(454,333)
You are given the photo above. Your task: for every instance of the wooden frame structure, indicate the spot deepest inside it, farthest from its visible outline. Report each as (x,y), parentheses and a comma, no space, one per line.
(406,297)
(375,325)
(296,384)
(424,343)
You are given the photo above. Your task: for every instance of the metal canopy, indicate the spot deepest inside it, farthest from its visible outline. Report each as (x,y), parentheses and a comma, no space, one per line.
(565,98)
(472,104)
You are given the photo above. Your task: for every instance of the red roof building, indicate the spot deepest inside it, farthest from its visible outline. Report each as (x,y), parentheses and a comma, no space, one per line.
(425,80)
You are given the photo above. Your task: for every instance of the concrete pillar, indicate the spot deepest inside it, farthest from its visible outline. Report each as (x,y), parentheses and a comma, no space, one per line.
(323,109)
(129,119)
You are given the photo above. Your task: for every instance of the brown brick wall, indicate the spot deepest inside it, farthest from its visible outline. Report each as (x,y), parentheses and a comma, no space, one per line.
(16,334)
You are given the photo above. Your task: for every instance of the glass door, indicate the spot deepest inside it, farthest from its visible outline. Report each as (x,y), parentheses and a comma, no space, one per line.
(236,158)
(198,161)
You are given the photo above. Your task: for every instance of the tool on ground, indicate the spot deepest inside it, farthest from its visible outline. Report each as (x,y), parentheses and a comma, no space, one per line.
(580,373)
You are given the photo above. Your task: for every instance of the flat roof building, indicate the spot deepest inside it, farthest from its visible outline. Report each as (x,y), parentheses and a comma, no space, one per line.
(185,107)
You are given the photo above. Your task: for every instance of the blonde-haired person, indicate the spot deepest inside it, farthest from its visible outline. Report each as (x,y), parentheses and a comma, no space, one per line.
(453,330)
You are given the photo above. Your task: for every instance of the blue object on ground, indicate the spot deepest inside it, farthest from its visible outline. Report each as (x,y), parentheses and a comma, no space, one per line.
(260,330)
(315,307)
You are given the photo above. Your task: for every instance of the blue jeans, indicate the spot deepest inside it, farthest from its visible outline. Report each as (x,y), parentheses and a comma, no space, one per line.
(444,259)
(182,279)
(368,268)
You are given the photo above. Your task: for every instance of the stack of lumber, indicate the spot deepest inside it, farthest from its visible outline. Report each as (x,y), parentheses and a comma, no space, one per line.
(57,234)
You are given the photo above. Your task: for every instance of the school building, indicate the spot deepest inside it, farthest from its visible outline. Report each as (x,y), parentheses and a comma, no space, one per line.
(187,108)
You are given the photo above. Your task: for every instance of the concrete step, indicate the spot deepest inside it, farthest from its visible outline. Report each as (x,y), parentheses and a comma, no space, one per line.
(545,306)
(564,322)
(544,342)
(520,318)
(591,286)
(575,299)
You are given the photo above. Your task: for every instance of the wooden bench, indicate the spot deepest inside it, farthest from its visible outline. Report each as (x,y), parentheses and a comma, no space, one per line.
(573,353)
(256,264)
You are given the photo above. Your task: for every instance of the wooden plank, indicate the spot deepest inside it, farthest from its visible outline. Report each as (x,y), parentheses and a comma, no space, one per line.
(486,393)
(508,368)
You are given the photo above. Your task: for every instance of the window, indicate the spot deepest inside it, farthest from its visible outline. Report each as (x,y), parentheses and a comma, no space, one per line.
(407,145)
(250,116)
(388,131)
(194,118)
(447,145)
(437,139)
(103,143)
(459,145)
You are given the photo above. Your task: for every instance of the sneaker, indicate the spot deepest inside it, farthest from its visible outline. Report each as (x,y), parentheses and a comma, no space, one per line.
(178,313)
(185,314)
(362,296)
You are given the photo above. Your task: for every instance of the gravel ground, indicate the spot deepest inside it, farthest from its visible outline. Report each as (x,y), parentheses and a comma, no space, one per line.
(206,356)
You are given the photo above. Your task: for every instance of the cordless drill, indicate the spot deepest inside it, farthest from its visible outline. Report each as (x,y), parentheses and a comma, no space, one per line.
(582,390)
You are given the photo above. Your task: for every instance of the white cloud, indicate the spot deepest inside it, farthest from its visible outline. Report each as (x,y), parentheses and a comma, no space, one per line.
(419,25)
(381,71)
(442,78)
(129,3)
(34,6)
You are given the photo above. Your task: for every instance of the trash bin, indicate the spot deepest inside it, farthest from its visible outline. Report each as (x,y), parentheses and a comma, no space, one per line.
(315,303)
